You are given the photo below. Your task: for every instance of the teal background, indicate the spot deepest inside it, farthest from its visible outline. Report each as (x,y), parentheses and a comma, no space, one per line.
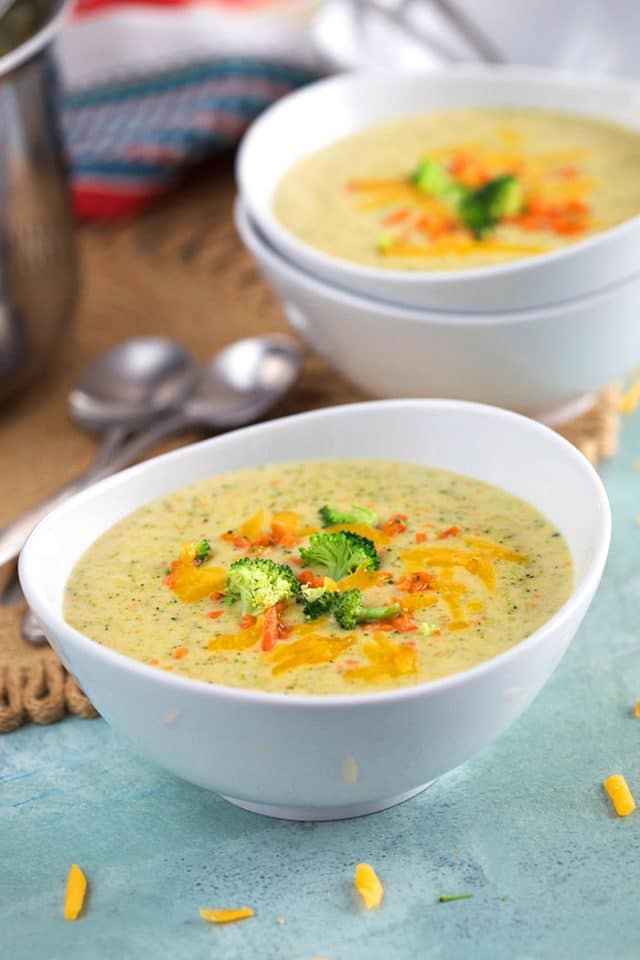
(525,826)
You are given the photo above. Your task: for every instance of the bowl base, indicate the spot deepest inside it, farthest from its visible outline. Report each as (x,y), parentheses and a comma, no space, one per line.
(345,812)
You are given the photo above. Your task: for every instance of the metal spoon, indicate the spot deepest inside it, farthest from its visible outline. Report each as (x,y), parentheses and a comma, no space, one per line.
(236,387)
(124,389)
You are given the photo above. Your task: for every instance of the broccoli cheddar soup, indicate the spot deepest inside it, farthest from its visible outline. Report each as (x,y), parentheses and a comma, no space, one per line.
(319,577)
(463,188)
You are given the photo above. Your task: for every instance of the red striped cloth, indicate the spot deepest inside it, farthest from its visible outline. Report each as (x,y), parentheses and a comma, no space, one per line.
(155,86)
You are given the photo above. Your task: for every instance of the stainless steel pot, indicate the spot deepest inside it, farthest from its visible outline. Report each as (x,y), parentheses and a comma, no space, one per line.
(37,252)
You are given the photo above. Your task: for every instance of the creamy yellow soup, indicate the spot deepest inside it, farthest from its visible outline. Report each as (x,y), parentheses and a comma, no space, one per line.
(362,198)
(468,570)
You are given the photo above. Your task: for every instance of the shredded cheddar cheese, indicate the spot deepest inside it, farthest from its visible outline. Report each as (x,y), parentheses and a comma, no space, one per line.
(310,648)
(386,659)
(619,794)
(496,550)
(253,527)
(360,580)
(630,399)
(243,640)
(75,893)
(226,916)
(367,883)
(418,601)
(191,582)
(637,709)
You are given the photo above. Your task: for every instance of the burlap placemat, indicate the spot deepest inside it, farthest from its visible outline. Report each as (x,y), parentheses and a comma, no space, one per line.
(181,271)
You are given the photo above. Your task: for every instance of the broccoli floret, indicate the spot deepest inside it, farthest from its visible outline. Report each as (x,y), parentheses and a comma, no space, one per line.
(482,208)
(332,515)
(431,177)
(349,609)
(340,553)
(258,583)
(203,549)
(318,605)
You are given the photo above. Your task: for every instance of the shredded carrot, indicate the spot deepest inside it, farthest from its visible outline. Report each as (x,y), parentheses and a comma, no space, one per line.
(395,524)
(75,893)
(310,579)
(247,621)
(214,614)
(417,582)
(449,532)
(285,530)
(216,596)
(367,883)
(282,535)
(270,629)
(398,216)
(404,623)
(619,794)
(179,653)
(241,543)
(421,537)
(226,916)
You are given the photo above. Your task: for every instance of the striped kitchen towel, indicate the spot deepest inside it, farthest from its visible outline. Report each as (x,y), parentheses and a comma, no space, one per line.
(154,87)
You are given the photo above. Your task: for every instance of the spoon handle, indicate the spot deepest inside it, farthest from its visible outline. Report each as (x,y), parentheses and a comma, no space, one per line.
(13,536)
(130,451)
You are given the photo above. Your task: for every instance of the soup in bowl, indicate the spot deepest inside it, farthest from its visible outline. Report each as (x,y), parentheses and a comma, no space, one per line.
(463,189)
(271,613)
(271,579)
(471,189)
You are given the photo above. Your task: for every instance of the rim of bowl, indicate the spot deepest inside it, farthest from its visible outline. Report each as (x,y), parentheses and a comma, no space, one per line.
(395,277)
(251,236)
(578,595)
(42,38)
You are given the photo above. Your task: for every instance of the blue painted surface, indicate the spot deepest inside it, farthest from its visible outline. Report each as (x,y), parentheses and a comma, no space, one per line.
(524,826)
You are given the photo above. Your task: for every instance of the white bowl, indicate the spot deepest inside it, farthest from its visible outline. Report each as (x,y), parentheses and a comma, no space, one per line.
(328,757)
(323,112)
(545,362)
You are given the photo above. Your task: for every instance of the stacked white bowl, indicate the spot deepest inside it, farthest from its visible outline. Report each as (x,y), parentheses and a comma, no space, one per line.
(538,335)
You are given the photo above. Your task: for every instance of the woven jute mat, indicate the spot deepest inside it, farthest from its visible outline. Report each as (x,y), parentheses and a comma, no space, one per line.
(179,271)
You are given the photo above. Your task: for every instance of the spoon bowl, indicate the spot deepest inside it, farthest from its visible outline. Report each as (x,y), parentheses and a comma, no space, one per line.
(243,381)
(132,384)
